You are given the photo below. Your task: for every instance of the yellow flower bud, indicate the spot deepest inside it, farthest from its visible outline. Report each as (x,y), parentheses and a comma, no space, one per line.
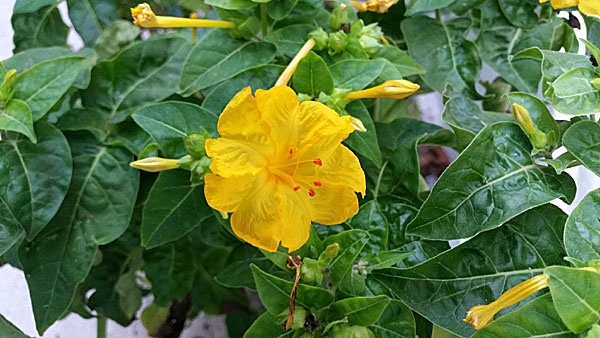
(143,16)
(155,164)
(521,114)
(379,6)
(481,315)
(392,89)
(596,83)
(358,125)
(9,78)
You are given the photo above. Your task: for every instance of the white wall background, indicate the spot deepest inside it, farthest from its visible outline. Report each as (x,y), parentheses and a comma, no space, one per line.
(15,303)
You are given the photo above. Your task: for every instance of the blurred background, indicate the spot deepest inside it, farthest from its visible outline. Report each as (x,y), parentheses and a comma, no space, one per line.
(16,304)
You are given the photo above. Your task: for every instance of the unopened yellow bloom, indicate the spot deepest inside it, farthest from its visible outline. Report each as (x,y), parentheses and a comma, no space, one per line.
(379,6)
(143,16)
(392,89)
(521,114)
(481,315)
(589,7)
(278,165)
(155,164)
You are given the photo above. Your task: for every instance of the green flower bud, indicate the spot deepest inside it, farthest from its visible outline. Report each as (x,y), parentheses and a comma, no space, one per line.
(361,332)
(370,45)
(194,144)
(329,254)
(357,28)
(596,83)
(321,38)
(338,17)
(299,318)
(311,272)
(186,162)
(538,140)
(341,331)
(337,42)
(199,169)
(7,88)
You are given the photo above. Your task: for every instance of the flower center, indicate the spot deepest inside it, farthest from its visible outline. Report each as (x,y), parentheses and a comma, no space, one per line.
(287,172)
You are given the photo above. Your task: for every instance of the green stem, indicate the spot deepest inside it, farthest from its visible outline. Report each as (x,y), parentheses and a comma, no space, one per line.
(376,192)
(263,19)
(102,321)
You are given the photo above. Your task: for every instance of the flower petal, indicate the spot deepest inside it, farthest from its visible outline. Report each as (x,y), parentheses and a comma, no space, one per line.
(234,157)
(332,204)
(589,7)
(279,108)
(225,194)
(271,216)
(241,120)
(343,167)
(563,3)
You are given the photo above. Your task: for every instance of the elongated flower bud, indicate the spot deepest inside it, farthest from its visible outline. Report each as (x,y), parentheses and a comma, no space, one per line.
(538,139)
(596,83)
(143,16)
(7,87)
(358,125)
(392,89)
(481,315)
(285,77)
(155,164)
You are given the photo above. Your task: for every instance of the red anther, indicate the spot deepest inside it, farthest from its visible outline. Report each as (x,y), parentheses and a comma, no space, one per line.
(318,162)
(311,192)
(296,188)
(318,184)
(291,151)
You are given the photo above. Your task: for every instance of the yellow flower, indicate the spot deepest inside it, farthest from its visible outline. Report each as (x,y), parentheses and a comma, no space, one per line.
(155,164)
(392,89)
(143,16)
(278,165)
(379,6)
(589,7)
(521,114)
(481,315)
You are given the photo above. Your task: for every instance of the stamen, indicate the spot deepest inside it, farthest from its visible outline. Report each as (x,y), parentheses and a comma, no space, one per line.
(311,192)
(318,162)
(296,188)
(317,183)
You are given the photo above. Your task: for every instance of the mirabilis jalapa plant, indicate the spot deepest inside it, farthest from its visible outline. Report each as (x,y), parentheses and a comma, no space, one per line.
(286,156)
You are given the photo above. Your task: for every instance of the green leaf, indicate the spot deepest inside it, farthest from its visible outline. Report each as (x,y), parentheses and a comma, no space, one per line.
(262,77)
(563,162)
(444,53)
(467,118)
(90,17)
(289,39)
(477,272)
(371,219)
(173,209)
(536,319)
(420,6)
(96,210)
(356,74)
(27,166)
(42,86)
(91,120)
(364,143)
(312,76)
(16,116)
(171,269)
(115,37)
(267,325)
(540,115)
(219,57)
(554,64)
(351,244)
(595,51)
(399,64)
(574,94)
(27,59)
(145,72)
(29,6)
(275,293)
(280,9)
(399,141)
(396,321)
(362,311)
(493,180)
(499,40)
(238,274)
(519,13)
(583,141)
(169,122)
(582,232)
(231,4)
(575,296)
(384,259)
(42,27)
(9,330)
